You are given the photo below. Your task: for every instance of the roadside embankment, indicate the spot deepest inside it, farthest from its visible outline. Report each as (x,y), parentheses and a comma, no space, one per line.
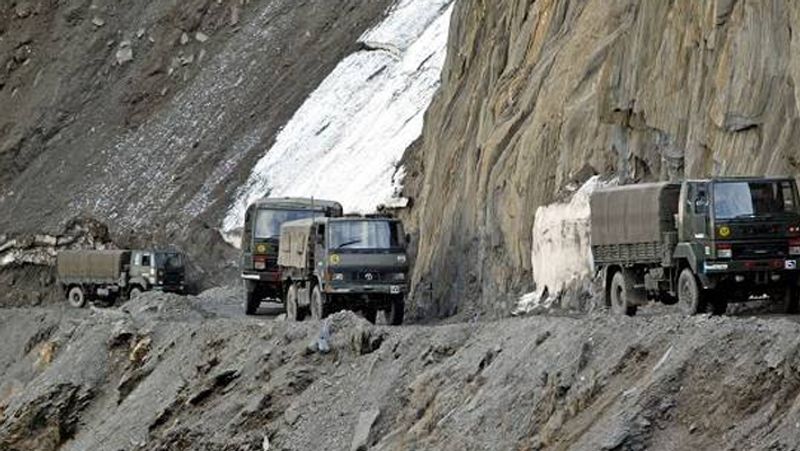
(170,372)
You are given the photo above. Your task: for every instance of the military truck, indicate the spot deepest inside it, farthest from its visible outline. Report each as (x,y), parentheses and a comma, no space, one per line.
(91,275)
(355,263)
(699,243)
(260,241)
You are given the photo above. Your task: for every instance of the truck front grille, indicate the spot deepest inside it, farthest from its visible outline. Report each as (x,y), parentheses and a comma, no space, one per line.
(760,250)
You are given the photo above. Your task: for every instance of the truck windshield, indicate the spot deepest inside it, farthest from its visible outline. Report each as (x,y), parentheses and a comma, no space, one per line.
(268,222)
(169,260)
(753,199)
(366,235)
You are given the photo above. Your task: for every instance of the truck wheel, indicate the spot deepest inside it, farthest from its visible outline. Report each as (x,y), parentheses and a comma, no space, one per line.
(251,300)
(319,307)
(292,309)
(622,295)
(716,302)
(790,299)
(394,313)
(76,298)
(689,296)
(370,314)
(135,293)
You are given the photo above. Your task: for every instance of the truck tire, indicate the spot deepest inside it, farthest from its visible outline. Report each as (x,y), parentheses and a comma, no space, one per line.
(292,307)
(622,296)
(251,300)
(76,298)
(716,302)
(135,293)
(319,306)
(370,314)
(394,313)
(790,299)
(690,298)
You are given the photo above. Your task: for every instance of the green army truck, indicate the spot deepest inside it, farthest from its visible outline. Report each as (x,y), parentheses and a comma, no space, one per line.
(699,243)
(108,275)
(355,263)
(260,242)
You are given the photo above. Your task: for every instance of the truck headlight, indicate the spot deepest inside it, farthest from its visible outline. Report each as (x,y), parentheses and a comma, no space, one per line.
(399,276)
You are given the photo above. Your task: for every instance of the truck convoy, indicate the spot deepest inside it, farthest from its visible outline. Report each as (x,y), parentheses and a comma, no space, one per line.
(699,243)
(260,244)
(354,262)
(89,275)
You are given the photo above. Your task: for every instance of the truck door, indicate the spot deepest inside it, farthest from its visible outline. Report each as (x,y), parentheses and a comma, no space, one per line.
(319,247)
(247,241)
(696,209)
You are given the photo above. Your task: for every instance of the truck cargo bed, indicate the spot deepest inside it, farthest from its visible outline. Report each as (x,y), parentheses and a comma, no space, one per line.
(91,266)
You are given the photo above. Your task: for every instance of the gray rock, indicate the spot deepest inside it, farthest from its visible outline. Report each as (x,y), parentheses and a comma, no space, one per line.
(323,345)
(201,37)
(98,22)
(124,53)
(366,420)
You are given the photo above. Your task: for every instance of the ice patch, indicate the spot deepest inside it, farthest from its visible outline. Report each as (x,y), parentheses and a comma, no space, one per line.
(561,253)
(345,141)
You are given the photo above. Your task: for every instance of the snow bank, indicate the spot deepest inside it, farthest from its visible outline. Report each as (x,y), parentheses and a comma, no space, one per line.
(561,254)
(345,141)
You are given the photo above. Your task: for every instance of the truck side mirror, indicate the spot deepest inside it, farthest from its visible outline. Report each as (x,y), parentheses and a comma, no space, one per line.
(701,205)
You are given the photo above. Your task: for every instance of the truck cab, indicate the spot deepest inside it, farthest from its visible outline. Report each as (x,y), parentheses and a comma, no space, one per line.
(356,263)
(160,270)
(741,235)
(260,243)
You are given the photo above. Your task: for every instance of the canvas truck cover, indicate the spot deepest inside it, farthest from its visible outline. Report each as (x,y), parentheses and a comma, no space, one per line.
(291,203)
(632,214)
(92,265)
(294,243)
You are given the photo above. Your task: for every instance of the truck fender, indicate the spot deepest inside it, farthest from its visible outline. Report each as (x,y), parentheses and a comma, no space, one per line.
(689,253)
(693,254)
(141,281)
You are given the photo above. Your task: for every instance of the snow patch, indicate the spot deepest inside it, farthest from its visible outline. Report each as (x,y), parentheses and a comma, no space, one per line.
(346,140)
(561,253)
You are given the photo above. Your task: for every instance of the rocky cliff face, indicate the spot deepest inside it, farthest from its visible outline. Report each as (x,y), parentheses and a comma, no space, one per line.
(536,94)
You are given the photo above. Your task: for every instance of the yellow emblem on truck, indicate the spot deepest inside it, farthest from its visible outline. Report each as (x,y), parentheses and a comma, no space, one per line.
(724,231)
(261,248)
(335,259)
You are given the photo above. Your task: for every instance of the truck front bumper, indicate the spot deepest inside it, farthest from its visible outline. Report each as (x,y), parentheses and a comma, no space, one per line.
(271,276)
(366,289)
(753,275)
(180,289)
(747,266)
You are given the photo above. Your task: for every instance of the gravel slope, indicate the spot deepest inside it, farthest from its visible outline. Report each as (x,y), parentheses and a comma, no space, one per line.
(166,372)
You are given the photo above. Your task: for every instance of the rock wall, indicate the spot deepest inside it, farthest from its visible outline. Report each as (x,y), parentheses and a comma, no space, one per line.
(536,93)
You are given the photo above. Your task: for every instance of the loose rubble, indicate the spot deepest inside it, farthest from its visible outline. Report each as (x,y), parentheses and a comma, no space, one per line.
(167,372)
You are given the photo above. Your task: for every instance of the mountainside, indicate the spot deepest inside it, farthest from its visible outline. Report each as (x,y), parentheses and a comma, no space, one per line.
(536,95)
(150,115)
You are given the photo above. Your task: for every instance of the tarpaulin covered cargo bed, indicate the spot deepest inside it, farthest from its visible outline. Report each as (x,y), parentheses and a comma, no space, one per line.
(91,265)
(633,214)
